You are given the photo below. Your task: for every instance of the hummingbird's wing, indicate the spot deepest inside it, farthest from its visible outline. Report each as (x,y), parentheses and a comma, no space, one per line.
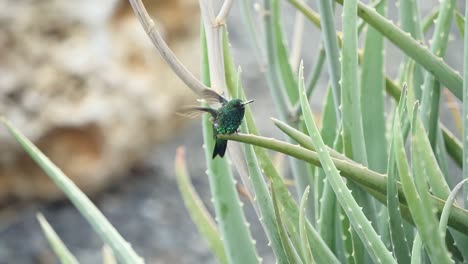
(213,97)
(196,111)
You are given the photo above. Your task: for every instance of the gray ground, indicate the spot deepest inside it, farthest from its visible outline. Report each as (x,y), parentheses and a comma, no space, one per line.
(146,207)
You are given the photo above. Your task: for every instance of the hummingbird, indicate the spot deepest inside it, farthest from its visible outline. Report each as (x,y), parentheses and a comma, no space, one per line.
(226,119)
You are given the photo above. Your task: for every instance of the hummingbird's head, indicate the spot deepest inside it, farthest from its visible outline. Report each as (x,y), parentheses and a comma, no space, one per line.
(237,103)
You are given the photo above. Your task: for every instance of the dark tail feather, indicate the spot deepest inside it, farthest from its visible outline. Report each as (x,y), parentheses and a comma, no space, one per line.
(220,148)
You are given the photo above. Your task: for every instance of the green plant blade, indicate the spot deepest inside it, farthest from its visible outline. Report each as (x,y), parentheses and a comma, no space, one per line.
(452,144)
(279,76)
(88,210)
(354,145)
(397,232)
(444,73)
(431,88)
(305,141)
(315,75)
(291,217)
(460,21)
(325,198)
(372,98)
(465,110)
(446,211)
(461,240)
(428,21)
(232,224)
(332,51)
(285,239)
(423,150)
(197,210)
(409,18)
(249,22)
(353,135)
(374,182)
(272,72)
(306,251)
(420,208)
(324,254)
(262,197)
(284,67)
(60,250)
(361,225)
(416,252)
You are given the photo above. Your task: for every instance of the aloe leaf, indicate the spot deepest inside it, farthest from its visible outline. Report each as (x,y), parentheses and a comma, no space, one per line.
(446,211)
(431,87)
(423,150)
(315,75)
(433,64)
(291,252)
(452,144)
(198,212)
(353,134)
(253,31)
(60,249)
(266,213)
(371,241)
(465,110)
(421,211)
(374,182)
(280,79)
(231,220)
(283,193)
(307,12)
(409,18)
(262,197)
(272,72)
(324,255)
(326,200)
(305,141)
(416,252)
(88,210)
(332,51)
(429,20)
(397,233)
(306,251)
(285,70)
(291,216)
(460,21)
(461,241)
(327,214)
(372,98)
(441,155)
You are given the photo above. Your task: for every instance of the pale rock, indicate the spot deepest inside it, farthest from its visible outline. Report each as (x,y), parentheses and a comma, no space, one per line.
(82,80)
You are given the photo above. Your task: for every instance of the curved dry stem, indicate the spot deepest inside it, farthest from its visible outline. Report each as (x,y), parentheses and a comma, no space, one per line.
(169,57)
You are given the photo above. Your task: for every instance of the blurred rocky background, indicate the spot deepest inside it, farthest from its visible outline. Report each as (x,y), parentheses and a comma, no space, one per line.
(83,81)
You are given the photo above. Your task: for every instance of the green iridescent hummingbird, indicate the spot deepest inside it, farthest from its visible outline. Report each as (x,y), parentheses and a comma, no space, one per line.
(226,119)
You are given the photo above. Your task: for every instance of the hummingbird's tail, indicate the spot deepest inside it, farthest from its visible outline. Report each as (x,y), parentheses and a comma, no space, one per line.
(220,148)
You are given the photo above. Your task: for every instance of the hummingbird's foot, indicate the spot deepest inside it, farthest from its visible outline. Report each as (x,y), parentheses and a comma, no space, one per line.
(219,22)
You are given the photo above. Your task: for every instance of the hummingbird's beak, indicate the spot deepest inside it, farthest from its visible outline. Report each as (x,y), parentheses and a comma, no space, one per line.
(247,102)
